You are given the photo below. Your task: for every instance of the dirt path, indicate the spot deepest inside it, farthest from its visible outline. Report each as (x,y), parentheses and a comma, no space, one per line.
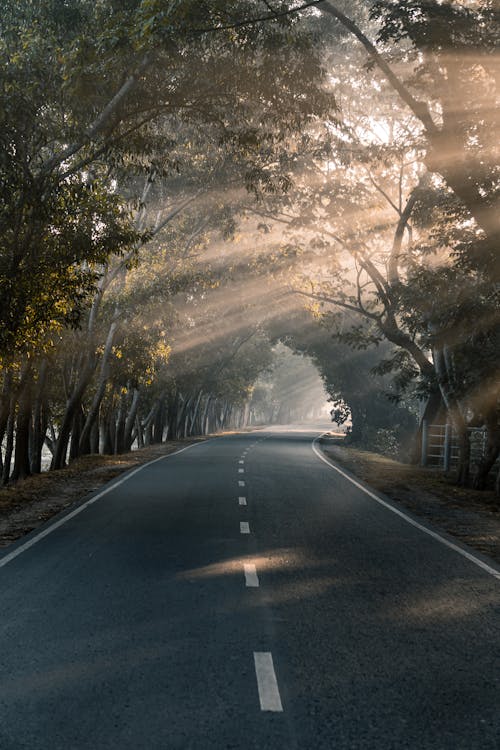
(472,517)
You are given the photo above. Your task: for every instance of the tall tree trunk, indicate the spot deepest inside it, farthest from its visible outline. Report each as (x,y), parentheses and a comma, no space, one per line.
(204,418)
(40,420)
(148,433)
(180,425)
(5,403)
(120,425)
(83,447)
(147,425)
(22,467)
(139,434)
(194,429)
(72,407)
(76,431)
(94,438)
(131,419)
(213,416)
(246,414)
(100,391)
(172,412)
(9,442)
(159,423)
(107,429)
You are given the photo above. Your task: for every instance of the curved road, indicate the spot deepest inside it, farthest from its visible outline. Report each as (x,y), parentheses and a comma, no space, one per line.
(243,594)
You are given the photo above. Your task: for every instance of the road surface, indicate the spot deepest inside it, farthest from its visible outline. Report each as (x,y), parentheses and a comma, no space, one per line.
(244,594)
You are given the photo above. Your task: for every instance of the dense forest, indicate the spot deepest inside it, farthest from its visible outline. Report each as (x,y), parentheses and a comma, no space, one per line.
(202,200)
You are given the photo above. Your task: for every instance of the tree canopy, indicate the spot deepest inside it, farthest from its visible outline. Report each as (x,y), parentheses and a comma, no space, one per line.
(182,182)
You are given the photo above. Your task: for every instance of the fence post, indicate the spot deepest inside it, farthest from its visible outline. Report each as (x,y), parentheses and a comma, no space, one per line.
(447,447)
(425,440)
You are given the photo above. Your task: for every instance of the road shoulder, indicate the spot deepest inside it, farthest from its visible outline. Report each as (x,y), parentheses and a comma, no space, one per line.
(470,516)
(31,502)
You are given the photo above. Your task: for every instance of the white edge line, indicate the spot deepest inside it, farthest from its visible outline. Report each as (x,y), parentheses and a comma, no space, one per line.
(472,558)
(31,542)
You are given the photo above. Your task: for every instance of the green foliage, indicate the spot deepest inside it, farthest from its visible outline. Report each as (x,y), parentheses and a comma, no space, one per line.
(437,26)
(93,89)
(453,49)
(356,394)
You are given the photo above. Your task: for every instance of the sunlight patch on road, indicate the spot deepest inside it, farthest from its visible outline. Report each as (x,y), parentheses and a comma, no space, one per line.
(281,559)
(445,602)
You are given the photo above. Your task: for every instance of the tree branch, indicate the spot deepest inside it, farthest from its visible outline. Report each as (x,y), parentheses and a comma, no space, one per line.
(383,193)
(336,302)
(377,279)
(393,262)
(101,121)
(419,108)
(173,213)
(258,19)
(287,218)
(102,149)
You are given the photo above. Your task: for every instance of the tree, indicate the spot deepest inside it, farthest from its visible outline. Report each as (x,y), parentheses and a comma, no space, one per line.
(452,50)
(87,85)
(91,93)
(404,288)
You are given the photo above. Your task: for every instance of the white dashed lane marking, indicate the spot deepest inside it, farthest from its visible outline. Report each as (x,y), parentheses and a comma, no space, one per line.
(267,684)
(244,527)
(242,500)
(251,578)
(241,471)
(241,484)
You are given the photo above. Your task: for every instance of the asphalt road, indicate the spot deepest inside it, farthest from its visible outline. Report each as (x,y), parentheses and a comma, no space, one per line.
(138,623)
